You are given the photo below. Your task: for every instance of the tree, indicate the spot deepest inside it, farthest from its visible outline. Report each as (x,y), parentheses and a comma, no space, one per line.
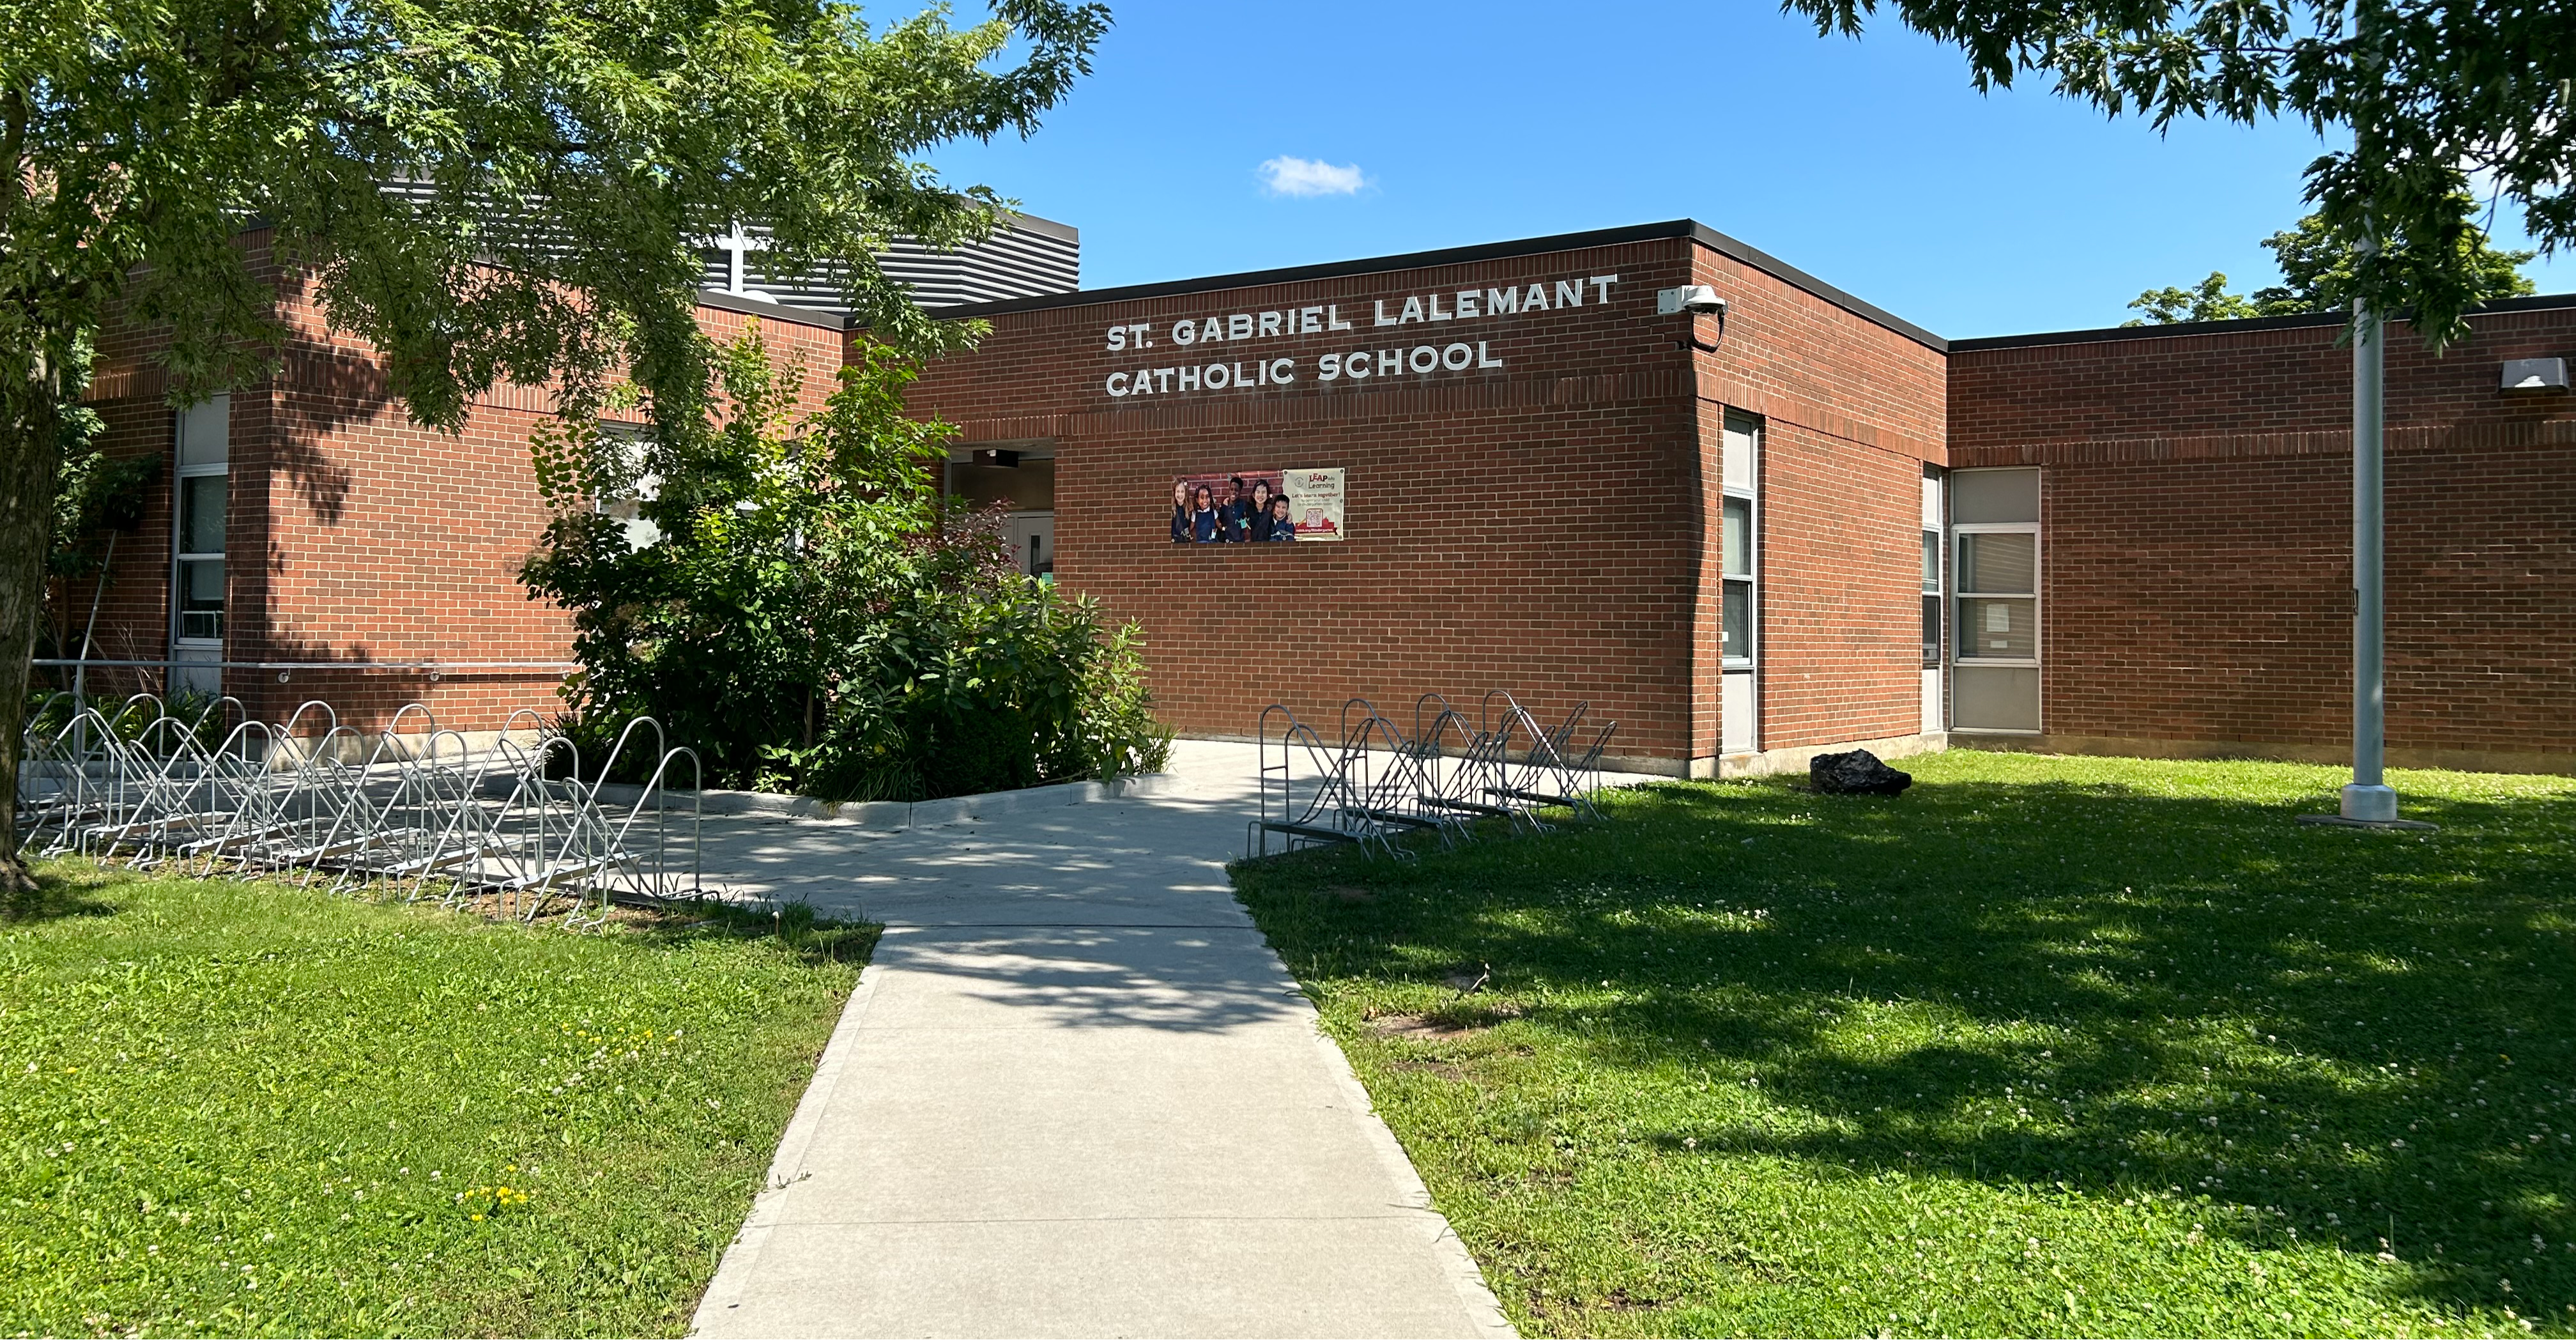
(2207,300)
(2317,270)
(2318,276)
(487,190)
(798,601)
(2434,94)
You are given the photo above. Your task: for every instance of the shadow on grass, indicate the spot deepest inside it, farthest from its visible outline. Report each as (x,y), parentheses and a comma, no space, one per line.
(811,937)
(57,896)
(73,888)
(2363,1037)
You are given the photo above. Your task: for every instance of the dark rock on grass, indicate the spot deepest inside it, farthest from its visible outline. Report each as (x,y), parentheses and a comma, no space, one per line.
(1858,773)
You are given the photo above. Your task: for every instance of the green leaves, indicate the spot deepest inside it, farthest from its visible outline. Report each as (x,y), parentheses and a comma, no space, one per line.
(2207,300)
(2319,277)
(486,191)
(813,614)
(2435,96)
(553,167)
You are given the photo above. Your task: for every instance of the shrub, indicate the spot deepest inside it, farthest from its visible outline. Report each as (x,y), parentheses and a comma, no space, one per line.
(798,602)
(207,717)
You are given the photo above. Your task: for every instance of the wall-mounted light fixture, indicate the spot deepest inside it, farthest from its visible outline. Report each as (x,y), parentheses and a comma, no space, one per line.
(1698,300)
(2535,374)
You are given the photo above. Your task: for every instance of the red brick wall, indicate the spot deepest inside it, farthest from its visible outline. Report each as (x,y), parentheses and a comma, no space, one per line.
(355,535)
(1842,616)
(1533,527)
(1852,411)
(133,610)
(1547,526)
(2197,514)
(1545,523)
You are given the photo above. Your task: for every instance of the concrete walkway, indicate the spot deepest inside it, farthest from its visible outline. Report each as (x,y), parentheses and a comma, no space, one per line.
(1076,1094)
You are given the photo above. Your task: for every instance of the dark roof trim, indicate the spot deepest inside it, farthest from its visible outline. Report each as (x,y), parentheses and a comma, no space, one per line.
(1797,278)
(1491,251)
(771,311)
(2184,329)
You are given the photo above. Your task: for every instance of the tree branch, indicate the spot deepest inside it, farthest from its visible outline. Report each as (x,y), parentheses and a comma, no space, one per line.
(13,145)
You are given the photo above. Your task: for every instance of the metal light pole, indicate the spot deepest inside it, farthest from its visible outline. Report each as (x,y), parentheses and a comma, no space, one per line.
(2368,799)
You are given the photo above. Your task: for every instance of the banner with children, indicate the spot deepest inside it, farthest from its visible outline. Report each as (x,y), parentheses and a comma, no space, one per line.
(1258,507)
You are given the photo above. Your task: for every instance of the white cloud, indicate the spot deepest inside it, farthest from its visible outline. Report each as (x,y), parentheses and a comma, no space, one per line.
(1285,175)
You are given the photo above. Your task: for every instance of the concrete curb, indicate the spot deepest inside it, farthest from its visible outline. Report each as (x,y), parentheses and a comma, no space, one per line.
(891,815)
(1456,1262)
(733,1273)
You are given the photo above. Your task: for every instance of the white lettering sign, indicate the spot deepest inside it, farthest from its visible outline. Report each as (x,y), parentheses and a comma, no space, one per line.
(1212,366)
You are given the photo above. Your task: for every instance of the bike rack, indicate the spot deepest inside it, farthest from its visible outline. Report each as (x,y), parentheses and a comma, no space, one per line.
(412,807)
(1380,783)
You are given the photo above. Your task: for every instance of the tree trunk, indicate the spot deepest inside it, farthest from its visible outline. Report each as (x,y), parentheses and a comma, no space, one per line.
(30,435)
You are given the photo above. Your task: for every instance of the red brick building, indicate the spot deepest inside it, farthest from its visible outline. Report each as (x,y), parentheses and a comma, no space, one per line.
(2197,535)
(307,540)
(1537,483)
(1783,521)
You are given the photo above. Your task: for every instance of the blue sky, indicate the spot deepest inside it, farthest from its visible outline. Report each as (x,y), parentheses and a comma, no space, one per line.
(1871,164)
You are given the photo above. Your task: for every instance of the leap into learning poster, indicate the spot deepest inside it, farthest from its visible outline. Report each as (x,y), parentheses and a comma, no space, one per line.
(1258,507)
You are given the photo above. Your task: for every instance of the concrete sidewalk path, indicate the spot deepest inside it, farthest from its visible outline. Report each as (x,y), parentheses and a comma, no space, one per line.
(1076,1094)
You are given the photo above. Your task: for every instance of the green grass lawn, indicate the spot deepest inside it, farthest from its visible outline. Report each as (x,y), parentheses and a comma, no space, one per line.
(239,1108)
(2044,1046)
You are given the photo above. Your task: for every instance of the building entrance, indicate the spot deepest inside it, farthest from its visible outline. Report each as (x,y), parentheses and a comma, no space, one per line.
(1020,479)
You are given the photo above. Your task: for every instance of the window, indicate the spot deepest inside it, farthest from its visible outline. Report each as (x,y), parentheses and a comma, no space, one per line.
(1999,596)
(201,556)
(1935,520)
(1994,580)
(1738,541)
(625,506)
(197,577)
(1739,608)
(1737,612)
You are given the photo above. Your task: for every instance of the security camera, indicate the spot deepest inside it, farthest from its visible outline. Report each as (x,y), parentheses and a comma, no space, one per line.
(1696,299)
